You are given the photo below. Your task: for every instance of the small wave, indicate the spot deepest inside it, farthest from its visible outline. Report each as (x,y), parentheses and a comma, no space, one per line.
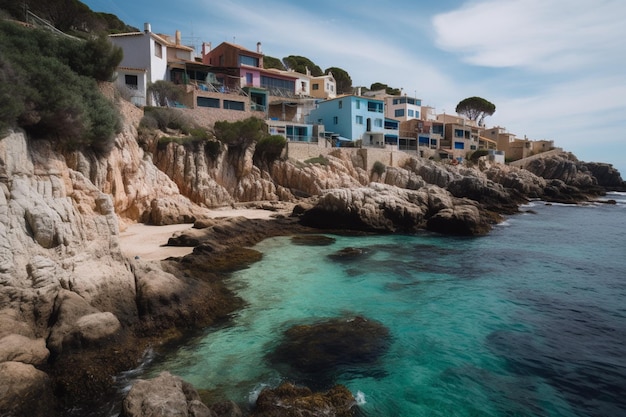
(256,391)
(360,398)
(125,380)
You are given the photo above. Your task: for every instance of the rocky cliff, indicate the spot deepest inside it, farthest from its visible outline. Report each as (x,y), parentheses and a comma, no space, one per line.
(69,297)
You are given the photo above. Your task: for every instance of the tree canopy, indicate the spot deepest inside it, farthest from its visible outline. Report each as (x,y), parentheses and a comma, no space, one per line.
(388,90)
(342,78)
(476,108)
(300,64)
(272,62)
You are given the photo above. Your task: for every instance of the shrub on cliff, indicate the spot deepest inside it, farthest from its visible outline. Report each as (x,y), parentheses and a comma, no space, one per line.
(47,93)
(269,149)
(166,118)
(240,134)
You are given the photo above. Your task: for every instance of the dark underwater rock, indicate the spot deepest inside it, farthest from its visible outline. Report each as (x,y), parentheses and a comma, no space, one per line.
(312,240)
(317,350)
(349,254)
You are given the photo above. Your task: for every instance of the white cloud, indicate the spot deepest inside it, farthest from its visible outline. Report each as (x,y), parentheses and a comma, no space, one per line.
(540,34)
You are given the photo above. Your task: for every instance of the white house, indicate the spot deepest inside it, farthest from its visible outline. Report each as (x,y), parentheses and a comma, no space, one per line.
(145,60)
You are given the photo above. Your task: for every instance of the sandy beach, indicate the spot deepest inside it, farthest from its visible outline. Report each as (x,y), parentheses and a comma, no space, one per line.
(147,242)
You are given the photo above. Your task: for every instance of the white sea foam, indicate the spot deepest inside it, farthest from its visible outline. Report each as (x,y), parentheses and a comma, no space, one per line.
(360,398)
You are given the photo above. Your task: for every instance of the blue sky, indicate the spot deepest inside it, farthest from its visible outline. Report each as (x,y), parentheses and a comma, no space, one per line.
(555,69)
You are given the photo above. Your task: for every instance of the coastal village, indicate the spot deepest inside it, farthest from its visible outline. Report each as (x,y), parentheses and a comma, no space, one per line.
(229,82)
(87,299)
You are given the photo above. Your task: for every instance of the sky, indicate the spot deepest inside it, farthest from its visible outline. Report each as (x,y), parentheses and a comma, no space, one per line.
(555,69)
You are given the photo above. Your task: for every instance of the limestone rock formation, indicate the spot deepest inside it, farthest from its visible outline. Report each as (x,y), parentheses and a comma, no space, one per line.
(164,396)
(384,208)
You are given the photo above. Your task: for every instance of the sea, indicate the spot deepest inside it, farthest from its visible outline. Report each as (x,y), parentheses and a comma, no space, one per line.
(529,320)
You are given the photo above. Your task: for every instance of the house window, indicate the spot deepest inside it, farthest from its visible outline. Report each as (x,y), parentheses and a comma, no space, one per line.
(374,106)
(459,145)
(320,121)
(248,78)
(417,114)
(131,81)
(336,120)
(248,60)
(234,105)
(358,104)
(316,86)
(158,50)
(340,104)
(399,113)
(378,122)
(359,120)
(458,133)
(208,102)
(410,112)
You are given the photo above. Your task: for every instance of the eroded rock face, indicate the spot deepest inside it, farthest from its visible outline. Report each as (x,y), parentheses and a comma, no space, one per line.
(288,400)
(383,208)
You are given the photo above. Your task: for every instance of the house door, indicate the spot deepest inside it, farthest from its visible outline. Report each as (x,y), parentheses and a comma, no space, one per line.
(369,124)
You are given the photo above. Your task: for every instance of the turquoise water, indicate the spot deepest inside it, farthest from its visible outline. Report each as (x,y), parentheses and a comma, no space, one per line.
(528,321)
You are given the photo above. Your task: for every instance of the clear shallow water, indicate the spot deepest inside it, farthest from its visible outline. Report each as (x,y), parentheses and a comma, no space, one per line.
(528,321)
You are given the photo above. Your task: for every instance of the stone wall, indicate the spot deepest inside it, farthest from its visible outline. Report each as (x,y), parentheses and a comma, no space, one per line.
(301,151)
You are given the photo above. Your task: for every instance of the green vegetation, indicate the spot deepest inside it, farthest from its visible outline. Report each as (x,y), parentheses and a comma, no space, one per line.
(271,62)
(475,108)
(300,64)
(379,168)
(269,149)
(165,119)
(388,90)
(164,92)
(50,91)
(240,134)
(322,160)
(342,78)
(69,16)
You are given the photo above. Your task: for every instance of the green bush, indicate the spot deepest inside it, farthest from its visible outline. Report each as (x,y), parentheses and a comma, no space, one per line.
(240,134)
(212,149)
(379,168)
(165,92)
(42,93)
(167,118)
(269,149)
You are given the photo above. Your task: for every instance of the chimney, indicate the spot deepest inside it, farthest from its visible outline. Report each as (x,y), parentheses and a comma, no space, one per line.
(258,48)
(206,48)
(178,38)
(147,28)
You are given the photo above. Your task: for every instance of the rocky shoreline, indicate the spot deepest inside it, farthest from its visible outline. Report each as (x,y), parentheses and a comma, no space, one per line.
(75,311)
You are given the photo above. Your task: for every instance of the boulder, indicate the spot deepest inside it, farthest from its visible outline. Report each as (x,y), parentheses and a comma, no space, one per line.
(166,395)
(24,391)
(464,220)
(78,324)
(288,400)
(387,209)
(18,348)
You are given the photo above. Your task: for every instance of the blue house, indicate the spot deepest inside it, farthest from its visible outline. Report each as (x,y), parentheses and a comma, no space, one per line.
(349,119)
